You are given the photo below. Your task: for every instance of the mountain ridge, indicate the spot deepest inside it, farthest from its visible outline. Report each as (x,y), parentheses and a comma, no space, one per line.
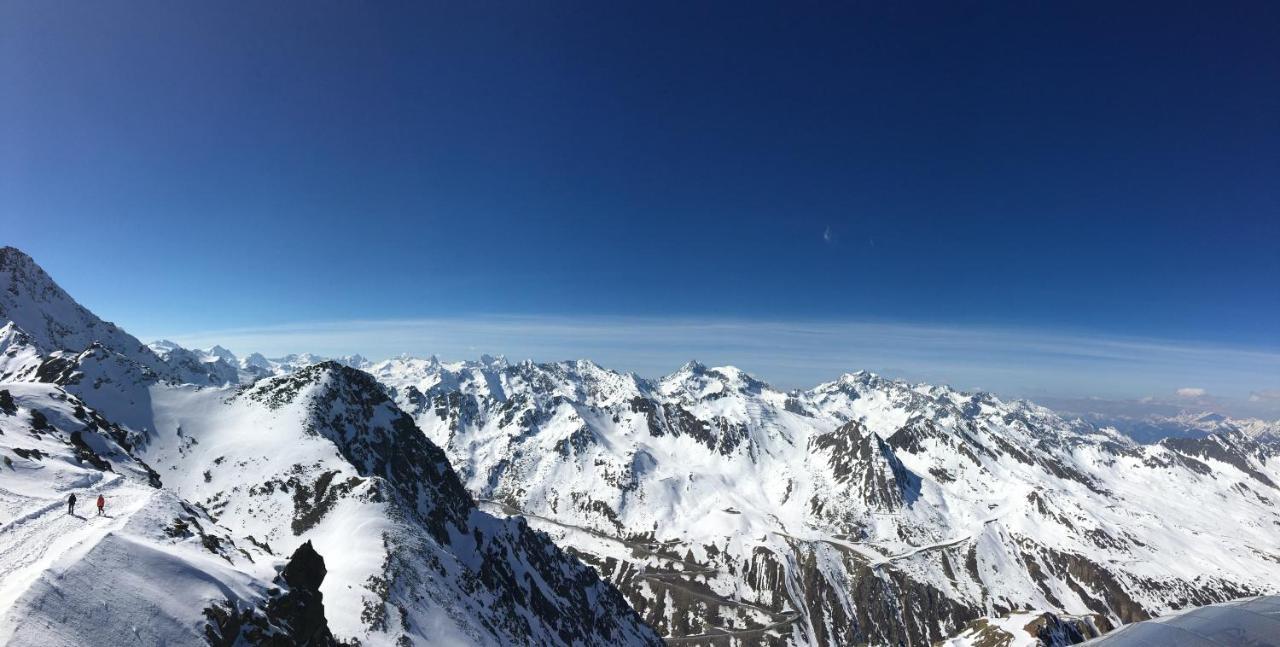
(892,477)
(713,506)
(317,456)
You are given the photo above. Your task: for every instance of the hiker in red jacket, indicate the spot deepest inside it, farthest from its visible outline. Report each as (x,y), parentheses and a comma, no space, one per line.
(101,502)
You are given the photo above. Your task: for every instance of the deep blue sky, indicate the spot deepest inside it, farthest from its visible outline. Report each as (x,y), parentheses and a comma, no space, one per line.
(1083,167)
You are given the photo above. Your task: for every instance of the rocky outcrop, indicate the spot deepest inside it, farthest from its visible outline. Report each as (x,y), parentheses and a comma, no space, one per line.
(293,615)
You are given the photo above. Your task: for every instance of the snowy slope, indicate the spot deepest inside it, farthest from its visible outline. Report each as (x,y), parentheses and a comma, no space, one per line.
(20,358)
(323,456)
(298,508)
(53,321)
(320,457)
(861,510)
(145,572)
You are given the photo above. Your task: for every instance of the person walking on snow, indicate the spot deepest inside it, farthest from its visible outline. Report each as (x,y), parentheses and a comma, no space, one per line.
(101,502)
(71,503)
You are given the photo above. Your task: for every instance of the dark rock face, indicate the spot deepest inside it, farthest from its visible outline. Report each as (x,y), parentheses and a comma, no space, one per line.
(302,608)
(291,617)
(86,454)
(663,419)
(855,453)
(1055,631)
(305,569)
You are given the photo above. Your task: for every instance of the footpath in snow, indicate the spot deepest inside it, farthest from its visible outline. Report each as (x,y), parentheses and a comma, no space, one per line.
(35,541)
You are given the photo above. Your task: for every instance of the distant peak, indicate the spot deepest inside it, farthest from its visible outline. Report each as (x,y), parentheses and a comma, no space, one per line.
(14,333)
(489,361)
(693,366)
(355,361)
(587,364)
(859,377)
(1210,416)
(221,353)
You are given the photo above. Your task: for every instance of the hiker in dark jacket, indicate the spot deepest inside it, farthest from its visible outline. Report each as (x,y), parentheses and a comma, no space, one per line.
(71,503)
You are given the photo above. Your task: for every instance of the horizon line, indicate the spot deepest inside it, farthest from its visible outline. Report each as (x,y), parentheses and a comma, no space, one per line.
(1025,360)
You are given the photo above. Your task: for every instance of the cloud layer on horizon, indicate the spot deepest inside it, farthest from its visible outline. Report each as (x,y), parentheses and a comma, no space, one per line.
(798,354)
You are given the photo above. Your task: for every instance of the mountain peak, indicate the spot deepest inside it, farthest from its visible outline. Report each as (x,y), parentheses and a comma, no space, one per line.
(32,300)
(859,377)
(221,353)
(11,330)
(12,257)
(692,366)
(19,355)
(492,362)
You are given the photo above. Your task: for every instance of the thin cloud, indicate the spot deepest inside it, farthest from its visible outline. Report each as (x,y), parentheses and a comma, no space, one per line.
(1190,392)
(795,353)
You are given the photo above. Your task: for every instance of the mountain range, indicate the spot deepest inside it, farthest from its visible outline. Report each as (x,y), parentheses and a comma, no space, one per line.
(217,491)
(415,501)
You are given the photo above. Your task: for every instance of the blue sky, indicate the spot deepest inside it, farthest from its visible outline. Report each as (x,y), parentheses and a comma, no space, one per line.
(1086,172)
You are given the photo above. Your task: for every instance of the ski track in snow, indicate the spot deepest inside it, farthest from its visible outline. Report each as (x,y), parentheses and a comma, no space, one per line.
(25,554)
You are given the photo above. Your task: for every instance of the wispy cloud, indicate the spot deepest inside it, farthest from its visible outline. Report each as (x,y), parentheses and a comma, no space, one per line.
(1190,392)
(798,353)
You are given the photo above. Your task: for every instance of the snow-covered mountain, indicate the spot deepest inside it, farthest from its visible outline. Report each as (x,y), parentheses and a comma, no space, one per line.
(193,364)
(323,455)
(1187,424)
(425,502)
(303,508)
(187,366)
(52,321)
(862,510)
(154,569)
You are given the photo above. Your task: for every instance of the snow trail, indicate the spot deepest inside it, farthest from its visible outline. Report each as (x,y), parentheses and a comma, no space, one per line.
(33,543)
